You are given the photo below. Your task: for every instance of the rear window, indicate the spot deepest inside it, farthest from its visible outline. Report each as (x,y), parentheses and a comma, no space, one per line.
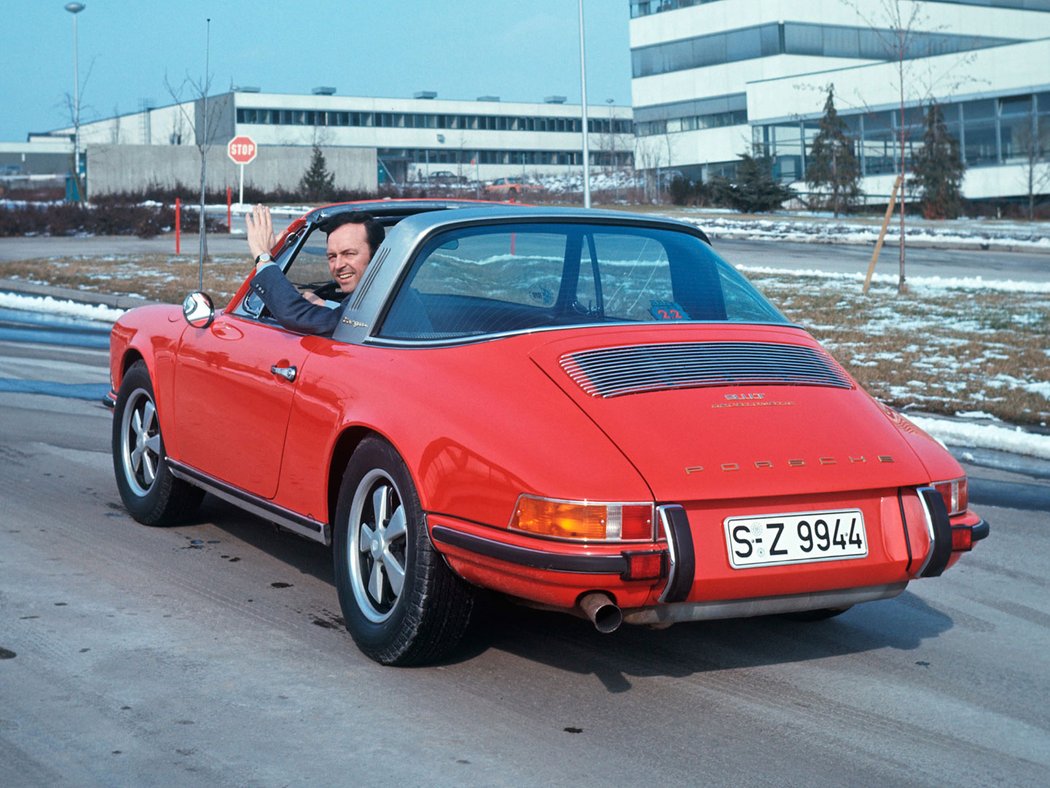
(494,279)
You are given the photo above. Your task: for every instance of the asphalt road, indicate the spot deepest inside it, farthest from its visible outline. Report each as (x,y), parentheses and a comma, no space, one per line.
(843,258)
(919,261)
(212,654)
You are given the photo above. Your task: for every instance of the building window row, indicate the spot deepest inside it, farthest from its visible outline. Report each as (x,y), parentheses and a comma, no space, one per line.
(421,120)
(647,7)
(523,158)
(1004,130)
(796,38)
(691,123)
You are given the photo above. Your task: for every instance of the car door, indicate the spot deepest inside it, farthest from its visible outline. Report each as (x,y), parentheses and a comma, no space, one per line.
(235,381)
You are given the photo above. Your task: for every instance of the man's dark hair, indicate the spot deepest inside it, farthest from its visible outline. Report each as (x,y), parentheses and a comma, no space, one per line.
(373,229)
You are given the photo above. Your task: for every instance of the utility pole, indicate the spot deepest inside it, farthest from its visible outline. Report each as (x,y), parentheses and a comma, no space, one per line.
(204,156)
(583,96)
(74,9)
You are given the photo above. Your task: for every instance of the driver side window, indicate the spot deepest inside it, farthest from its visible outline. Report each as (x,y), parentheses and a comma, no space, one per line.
(308,271)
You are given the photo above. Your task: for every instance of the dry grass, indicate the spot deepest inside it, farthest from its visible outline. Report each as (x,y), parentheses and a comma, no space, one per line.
(935,350)
(159,277)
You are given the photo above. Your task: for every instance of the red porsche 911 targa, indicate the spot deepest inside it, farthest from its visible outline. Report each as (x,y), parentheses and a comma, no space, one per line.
(581,410)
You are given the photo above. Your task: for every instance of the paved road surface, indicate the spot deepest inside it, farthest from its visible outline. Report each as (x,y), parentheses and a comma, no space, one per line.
(921,261)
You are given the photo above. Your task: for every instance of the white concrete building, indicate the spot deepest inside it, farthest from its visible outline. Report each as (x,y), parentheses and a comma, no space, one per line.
(414,138)
(711,78)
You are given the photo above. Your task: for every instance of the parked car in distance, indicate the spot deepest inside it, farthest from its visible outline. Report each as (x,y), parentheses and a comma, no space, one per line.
(510,188)
(585,411)
(446,176)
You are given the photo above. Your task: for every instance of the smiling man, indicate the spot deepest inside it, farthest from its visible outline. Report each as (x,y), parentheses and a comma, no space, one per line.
(352,240)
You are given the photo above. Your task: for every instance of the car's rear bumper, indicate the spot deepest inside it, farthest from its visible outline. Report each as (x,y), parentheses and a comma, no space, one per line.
(839,599)
(530,558)
(684,574)
(979,531)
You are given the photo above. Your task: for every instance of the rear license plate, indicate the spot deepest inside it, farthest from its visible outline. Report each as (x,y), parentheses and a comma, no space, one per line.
(773,539)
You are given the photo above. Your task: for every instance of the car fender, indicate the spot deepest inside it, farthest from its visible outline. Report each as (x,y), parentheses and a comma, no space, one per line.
(513,418)
(151,333)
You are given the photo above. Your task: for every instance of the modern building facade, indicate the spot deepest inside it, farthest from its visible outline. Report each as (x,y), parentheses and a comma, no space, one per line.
(413,138)
(712,79)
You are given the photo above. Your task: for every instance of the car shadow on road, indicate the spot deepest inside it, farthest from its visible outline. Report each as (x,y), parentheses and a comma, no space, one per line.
(572,644)
(302,554)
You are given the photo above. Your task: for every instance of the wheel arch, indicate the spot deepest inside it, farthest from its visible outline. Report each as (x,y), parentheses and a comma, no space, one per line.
(345,446)
(131,356)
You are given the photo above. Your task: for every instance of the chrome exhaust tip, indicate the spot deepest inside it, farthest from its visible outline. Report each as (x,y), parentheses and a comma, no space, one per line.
(601,611)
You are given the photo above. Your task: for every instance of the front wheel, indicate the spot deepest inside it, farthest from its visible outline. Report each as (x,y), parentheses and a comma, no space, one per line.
(151,494)
(401,603)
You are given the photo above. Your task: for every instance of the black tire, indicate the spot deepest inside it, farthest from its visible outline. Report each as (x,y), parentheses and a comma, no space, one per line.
(401,603)
(149,491)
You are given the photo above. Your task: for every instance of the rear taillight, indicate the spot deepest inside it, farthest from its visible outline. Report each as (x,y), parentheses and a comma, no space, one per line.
(585,520)
(962,538)
(955,494)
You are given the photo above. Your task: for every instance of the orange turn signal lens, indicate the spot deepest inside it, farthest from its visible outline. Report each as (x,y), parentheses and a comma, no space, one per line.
(609,522)
(955,494)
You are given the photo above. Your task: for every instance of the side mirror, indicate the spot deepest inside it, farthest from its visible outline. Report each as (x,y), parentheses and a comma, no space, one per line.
(198,309)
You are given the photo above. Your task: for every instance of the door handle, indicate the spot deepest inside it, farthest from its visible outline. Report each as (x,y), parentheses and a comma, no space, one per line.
(288,373)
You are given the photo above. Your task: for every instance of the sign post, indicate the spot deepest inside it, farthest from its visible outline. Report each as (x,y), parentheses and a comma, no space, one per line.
(241,150)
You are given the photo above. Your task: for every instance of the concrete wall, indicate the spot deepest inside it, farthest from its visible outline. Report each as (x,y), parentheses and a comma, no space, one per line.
(136,168)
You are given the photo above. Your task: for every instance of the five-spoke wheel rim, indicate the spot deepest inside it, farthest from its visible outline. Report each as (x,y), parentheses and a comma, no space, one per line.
(376,549)
(140,447)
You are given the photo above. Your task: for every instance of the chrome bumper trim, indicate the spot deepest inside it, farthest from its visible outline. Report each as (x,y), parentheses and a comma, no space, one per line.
(763,606)
(304,526)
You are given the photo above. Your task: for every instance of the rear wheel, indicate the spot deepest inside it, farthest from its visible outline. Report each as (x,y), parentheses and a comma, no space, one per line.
(149,491)
(401,603)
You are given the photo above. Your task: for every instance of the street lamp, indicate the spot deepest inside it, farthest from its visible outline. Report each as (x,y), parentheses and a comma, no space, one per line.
(583,92)
(74,9)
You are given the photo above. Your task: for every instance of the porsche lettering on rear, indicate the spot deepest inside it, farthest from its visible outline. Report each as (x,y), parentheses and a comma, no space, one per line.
(795,462)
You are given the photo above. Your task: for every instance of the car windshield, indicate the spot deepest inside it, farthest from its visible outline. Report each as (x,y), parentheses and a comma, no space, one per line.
(498,278)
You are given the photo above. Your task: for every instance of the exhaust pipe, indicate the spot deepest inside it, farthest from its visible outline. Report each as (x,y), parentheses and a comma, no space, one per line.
(602,611)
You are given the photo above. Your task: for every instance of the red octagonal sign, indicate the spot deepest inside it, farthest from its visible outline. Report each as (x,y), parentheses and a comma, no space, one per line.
(241,149)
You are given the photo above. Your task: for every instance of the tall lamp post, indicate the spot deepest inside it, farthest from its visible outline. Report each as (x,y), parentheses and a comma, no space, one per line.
(583,91)
(74,9)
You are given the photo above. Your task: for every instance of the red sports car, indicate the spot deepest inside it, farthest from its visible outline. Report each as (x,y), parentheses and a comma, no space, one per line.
(586,411)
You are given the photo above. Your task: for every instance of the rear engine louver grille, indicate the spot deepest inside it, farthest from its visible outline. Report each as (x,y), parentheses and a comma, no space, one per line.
(612,372)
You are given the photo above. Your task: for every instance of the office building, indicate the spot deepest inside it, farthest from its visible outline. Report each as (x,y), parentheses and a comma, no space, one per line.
(712,79)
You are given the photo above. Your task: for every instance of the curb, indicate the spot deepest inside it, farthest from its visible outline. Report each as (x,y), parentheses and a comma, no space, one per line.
(69,294)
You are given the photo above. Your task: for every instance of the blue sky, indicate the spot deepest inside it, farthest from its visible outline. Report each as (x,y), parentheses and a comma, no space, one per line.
(520,50)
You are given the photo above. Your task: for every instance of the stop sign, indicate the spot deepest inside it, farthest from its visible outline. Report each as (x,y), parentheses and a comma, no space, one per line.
(241,149)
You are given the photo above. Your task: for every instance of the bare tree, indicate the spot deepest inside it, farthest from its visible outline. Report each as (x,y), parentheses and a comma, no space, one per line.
(74,104)
(114,131)
(195,123)
(1034,142)
(895,30)
(198,90)
(650,155)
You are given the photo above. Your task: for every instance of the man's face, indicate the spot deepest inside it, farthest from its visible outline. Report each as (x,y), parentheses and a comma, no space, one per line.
(348,254)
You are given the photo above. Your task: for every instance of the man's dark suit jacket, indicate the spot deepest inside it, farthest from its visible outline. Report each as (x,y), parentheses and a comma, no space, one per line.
(289,308)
